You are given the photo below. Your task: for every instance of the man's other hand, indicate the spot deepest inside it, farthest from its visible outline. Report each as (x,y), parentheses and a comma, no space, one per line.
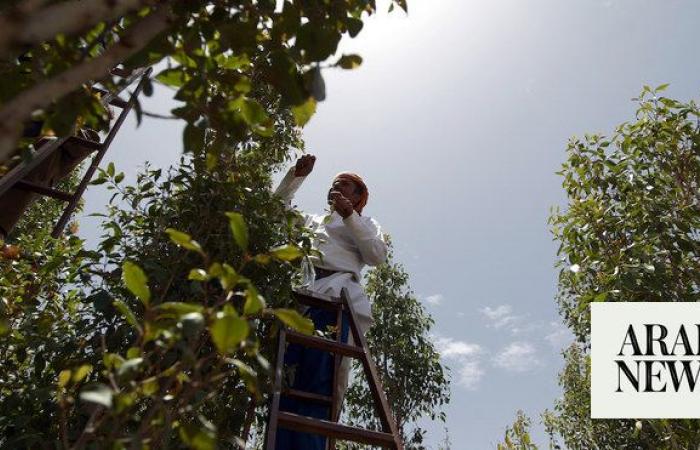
(341,204)
(304,166)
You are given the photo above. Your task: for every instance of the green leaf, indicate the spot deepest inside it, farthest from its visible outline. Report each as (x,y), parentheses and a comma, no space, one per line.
(127,313)
(150,386)
(354,26)
(98,393)
(184,240)
(148,87)
(198,275)
(252,112)
(82,371)
(216,270)
(212,159)
(198,439)
(600,297)
(243,85)
(130,365)
(4,327)
(136,281)
(239,229)
(172,77)
(349,61)
(228,331)
(294,320)
(193,137)
(254,302)
(262,259)
(303,113)
(286,252)
(64,378)
(226,274)
(254,115)
(112,360)
(232,62)
(318,39)
(97,181)
(318,84)
(177,309)
(247,374)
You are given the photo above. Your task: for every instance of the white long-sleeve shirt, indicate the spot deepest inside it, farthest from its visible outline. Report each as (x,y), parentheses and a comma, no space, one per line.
(346,244)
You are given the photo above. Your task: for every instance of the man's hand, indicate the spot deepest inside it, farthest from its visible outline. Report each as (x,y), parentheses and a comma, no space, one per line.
(304,166)
(341,204)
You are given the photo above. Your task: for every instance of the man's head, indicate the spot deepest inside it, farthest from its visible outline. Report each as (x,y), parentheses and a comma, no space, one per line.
(352,187)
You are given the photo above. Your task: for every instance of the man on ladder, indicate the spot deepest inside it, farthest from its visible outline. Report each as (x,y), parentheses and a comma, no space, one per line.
(347,241)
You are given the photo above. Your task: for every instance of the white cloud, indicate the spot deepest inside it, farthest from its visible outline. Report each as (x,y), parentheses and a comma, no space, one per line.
(435,299)
(450,348)
(500,316)
(497,312)
(467,358)
(559,336)
(525,328)
(469,373)
(517,356)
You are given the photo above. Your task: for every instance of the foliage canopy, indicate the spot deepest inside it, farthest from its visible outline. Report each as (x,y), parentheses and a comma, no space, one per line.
(629,233)
(212,53)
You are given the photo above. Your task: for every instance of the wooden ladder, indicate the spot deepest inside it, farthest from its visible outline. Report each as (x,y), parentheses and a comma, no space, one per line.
(15,177)
(387,438)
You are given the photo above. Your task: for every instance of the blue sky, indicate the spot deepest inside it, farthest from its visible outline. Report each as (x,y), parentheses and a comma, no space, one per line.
(458,119)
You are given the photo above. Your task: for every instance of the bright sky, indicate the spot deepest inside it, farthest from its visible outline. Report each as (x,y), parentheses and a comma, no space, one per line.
(458,119)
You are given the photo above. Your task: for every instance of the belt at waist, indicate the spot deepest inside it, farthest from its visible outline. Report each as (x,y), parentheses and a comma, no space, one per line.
(323,273)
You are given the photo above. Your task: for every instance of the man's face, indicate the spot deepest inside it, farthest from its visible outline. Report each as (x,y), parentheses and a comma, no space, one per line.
(348,188)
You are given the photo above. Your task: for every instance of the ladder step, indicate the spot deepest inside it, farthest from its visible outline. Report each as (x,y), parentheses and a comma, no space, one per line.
(119,102)
(119,72)
(309,298)
(325,344)
(309,396)
(85,143)
(44,190)
(324,427)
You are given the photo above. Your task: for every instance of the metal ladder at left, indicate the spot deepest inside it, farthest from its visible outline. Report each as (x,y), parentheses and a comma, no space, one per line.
(15,178)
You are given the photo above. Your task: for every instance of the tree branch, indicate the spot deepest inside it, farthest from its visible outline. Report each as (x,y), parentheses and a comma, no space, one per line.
(21,27)
(14,113)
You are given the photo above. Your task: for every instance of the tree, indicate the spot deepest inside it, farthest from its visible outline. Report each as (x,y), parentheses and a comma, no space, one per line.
(630,233)
(153,338)
(215,53)
(517,436)
(39,322)
(411,373)
(160,336)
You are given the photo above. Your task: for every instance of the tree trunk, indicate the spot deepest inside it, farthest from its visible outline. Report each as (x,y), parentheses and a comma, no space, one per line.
(28,25)
(18,110)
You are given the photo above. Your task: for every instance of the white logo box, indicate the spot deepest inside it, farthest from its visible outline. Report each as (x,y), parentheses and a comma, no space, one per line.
(613,392)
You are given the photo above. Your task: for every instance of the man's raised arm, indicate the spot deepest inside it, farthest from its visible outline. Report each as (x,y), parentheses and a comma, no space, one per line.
(294,178)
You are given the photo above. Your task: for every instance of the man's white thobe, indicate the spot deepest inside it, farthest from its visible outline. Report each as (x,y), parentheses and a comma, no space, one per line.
(347,245)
